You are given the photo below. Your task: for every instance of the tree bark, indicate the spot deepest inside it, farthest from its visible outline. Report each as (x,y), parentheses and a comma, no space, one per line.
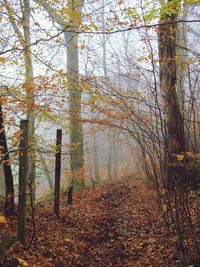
(57,173)
(105,74)
(175,136)
(9,208)
(25,41)
(96,157)
(2,182)
(75,123)
(30,97)
(47,172)
(23,164)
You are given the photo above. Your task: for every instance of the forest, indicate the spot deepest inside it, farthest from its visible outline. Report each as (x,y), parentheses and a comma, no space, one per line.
(99,133)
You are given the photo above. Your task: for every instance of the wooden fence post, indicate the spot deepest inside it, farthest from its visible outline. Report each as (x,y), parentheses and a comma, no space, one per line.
(57,172)
(23,155)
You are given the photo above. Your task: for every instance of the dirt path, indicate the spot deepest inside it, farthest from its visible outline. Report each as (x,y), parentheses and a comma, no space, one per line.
(120,227)
(116,224)
(110,229)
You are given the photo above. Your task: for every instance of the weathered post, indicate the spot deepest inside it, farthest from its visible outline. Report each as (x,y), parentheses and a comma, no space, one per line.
(70,195)
(57,172)
(23,156)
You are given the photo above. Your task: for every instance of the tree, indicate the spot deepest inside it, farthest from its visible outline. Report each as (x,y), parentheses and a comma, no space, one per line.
(71,42)
(181,58)
(25,41)
(9,208)
(105,74)
(69,27)
(167,34)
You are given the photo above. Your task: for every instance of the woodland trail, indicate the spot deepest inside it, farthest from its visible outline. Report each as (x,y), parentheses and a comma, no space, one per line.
(121,229)
(116,224)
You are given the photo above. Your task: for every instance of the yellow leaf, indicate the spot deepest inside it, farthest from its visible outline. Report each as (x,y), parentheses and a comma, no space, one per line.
(180,157)
(67,240)
(191,2)
(2,219)
(164,207)
(22,262)
(15,62)
(175,238)
(96,27)
(12,119)
(149,56)
(82,46)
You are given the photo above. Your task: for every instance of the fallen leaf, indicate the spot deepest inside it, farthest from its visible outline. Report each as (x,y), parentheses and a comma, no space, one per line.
(22,262)
(2,219)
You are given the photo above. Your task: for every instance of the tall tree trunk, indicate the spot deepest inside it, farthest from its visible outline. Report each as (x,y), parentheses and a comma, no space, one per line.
(109,156)
(29,94)
(181,59)
(25,41)
(105,74)
(75,123)
(23,163)
(47,172)
(115,153)
(175,139)
(96,157)
(2,183)
(9,208)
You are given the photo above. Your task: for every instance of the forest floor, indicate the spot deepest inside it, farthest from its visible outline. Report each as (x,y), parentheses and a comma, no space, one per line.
(116,224)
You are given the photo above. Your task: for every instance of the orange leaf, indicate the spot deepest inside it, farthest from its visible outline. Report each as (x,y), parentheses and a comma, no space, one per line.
(2,219)
(2,59)
(3,99)
(48,109)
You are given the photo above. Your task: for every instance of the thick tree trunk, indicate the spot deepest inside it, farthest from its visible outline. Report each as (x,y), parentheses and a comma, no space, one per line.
(175,136)
(168,80)
(75,124)
(181,59)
